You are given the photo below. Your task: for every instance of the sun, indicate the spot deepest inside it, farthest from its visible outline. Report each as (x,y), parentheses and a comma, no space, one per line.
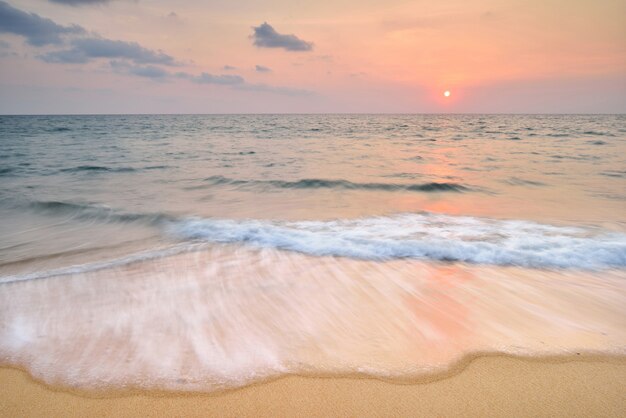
(446,93)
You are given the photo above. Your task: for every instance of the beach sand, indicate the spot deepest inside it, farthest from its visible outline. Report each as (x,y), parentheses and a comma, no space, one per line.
(584,386)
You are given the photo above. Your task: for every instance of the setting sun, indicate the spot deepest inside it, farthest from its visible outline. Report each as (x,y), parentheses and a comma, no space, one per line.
(446,93)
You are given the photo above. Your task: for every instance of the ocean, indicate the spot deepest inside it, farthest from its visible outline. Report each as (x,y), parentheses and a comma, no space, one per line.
(205,252)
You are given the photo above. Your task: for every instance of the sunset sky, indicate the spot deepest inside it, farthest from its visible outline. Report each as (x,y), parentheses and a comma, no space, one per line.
(192,56)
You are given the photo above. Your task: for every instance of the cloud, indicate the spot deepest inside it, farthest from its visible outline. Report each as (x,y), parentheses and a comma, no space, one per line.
(224,79)
(128,58)
(262,69)
(206,78)
(147,71)
(79,2)
(37,30)
(266,37)
(239,83)
(85,49)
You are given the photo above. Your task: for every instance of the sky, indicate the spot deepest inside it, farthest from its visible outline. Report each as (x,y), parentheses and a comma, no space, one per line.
(294,56)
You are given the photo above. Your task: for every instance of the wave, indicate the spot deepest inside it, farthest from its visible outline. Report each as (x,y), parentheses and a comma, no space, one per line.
(59,129)
(614,173)
(339,184)
(423,236)
(86,211)
(516,181)
(598,133)
(97,168)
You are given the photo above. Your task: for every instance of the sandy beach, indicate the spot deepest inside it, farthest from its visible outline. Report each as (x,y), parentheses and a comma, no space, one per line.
(486,386)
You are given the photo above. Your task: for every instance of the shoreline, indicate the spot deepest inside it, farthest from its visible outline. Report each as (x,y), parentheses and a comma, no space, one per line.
(573,385)
(454,369)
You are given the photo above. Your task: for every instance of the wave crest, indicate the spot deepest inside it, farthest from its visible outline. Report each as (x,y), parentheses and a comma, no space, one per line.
(423,236)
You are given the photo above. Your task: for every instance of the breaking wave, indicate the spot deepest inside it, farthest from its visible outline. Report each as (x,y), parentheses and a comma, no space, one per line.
(423,236)
(426,236)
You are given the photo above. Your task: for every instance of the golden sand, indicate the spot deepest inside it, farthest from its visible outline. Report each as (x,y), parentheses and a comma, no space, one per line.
(495,386)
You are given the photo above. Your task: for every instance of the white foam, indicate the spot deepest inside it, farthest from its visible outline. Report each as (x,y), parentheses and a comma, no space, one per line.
(423,236)
(230,316)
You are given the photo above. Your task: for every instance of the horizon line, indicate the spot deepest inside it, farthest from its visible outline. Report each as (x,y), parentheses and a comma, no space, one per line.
(325,114)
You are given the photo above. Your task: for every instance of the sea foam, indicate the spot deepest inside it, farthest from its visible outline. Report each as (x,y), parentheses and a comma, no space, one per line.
(422,236)
(231,316)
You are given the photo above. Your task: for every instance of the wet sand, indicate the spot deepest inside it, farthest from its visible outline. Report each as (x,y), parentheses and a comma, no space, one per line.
(584,386)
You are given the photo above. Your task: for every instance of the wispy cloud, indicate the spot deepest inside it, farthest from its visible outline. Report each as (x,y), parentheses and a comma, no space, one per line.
(239,83)
(228,68)
(262,69)
(265,36)
(147,71)
(37,30)
(86,49)
(223,79)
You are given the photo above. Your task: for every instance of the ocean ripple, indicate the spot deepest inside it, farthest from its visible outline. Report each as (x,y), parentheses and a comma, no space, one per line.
(340,184)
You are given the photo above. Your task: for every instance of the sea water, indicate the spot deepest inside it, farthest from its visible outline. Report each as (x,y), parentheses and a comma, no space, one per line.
(201,252)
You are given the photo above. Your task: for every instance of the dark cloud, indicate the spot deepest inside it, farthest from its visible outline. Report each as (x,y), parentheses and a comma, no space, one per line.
(86,49)
(66,56)
(37,30)
(129,57)
(41,31)
(262,69)
(79,2)
(266,37)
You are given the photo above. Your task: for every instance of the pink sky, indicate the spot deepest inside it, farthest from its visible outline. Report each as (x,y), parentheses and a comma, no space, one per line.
(141,56)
